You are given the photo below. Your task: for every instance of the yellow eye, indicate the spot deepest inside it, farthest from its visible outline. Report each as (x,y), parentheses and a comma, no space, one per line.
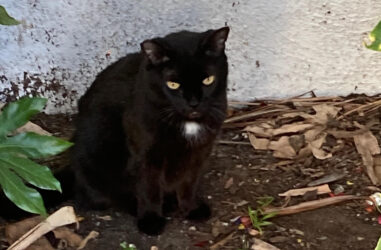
(209,80)
(173,85)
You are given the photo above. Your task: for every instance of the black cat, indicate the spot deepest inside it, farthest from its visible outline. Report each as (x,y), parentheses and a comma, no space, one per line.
(147,124)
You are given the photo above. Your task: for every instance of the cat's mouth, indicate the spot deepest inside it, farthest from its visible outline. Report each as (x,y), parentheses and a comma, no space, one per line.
(194,115)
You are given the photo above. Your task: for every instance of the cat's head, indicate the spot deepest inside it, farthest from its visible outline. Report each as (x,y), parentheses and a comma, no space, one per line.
(187,72)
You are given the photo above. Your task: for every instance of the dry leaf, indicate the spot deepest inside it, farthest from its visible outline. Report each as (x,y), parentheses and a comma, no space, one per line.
(69,237)
(292,128)
(324,112)
(282,148)
(15,230)
(323,189)
(259,143)
(312,134)
(262,245)
(62,217)
(28,127)
(91,235)
(367,145)
(259,131)
(31,127)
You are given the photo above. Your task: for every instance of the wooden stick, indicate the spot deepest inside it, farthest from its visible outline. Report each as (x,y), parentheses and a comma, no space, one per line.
(311,205)
(253,114)
(375,103)
(234,143)
(222,242)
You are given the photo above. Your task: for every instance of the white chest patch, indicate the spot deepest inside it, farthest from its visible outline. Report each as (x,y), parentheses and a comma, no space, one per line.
(191,129)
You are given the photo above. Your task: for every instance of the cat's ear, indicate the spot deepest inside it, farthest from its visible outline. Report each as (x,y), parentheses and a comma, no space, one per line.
(155,53)
(214,43)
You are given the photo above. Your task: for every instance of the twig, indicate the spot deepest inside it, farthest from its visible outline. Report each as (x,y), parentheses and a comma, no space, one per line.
(222,242)
(245,103)
(234,143)
(311,205)
(375,103)
(253,114)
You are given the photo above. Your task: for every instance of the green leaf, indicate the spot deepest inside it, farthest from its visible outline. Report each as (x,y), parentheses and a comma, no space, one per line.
(18,113)
(265,223)
(268,216)
(378,247)
(37,175)
(375,38)
(24,197)
(6,19)
(33,145)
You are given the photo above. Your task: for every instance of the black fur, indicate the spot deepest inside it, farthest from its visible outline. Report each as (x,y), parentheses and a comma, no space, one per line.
(130,148)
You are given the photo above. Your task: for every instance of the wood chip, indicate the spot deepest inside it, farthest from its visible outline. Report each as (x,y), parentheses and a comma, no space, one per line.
(229,183)
(323,189)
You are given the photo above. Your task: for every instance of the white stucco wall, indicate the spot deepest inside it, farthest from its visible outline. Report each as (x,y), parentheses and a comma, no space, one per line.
(277,48)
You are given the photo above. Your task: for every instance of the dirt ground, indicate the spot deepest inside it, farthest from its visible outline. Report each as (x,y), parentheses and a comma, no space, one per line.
(254,174)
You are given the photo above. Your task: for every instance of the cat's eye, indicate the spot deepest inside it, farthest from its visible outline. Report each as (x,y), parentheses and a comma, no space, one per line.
(173,85)
(209,80)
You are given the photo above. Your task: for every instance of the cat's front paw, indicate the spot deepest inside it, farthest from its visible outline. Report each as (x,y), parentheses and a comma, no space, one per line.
(202,212)
(151,223)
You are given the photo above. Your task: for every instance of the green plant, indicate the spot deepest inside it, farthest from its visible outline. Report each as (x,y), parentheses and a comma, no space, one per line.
(378,247)
(16,152)
(375,38)
(5,18)
(258,217)
(124,246)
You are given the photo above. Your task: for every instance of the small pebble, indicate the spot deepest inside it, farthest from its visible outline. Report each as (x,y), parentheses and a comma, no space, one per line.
(360,238)
(278,239)
(322,238)
(192,228)
(209,197)
(296,231)
(339,189)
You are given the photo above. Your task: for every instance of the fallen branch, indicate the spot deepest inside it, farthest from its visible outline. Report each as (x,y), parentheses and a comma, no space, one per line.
(311,205)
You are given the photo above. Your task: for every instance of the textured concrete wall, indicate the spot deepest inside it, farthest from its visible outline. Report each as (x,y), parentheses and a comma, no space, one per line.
(276,48)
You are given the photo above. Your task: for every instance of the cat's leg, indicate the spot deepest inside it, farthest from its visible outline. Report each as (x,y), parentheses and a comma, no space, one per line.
(150,201)
(193,207)
(87,196)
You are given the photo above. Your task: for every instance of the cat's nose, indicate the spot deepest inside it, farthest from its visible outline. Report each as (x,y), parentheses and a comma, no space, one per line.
(193,102)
